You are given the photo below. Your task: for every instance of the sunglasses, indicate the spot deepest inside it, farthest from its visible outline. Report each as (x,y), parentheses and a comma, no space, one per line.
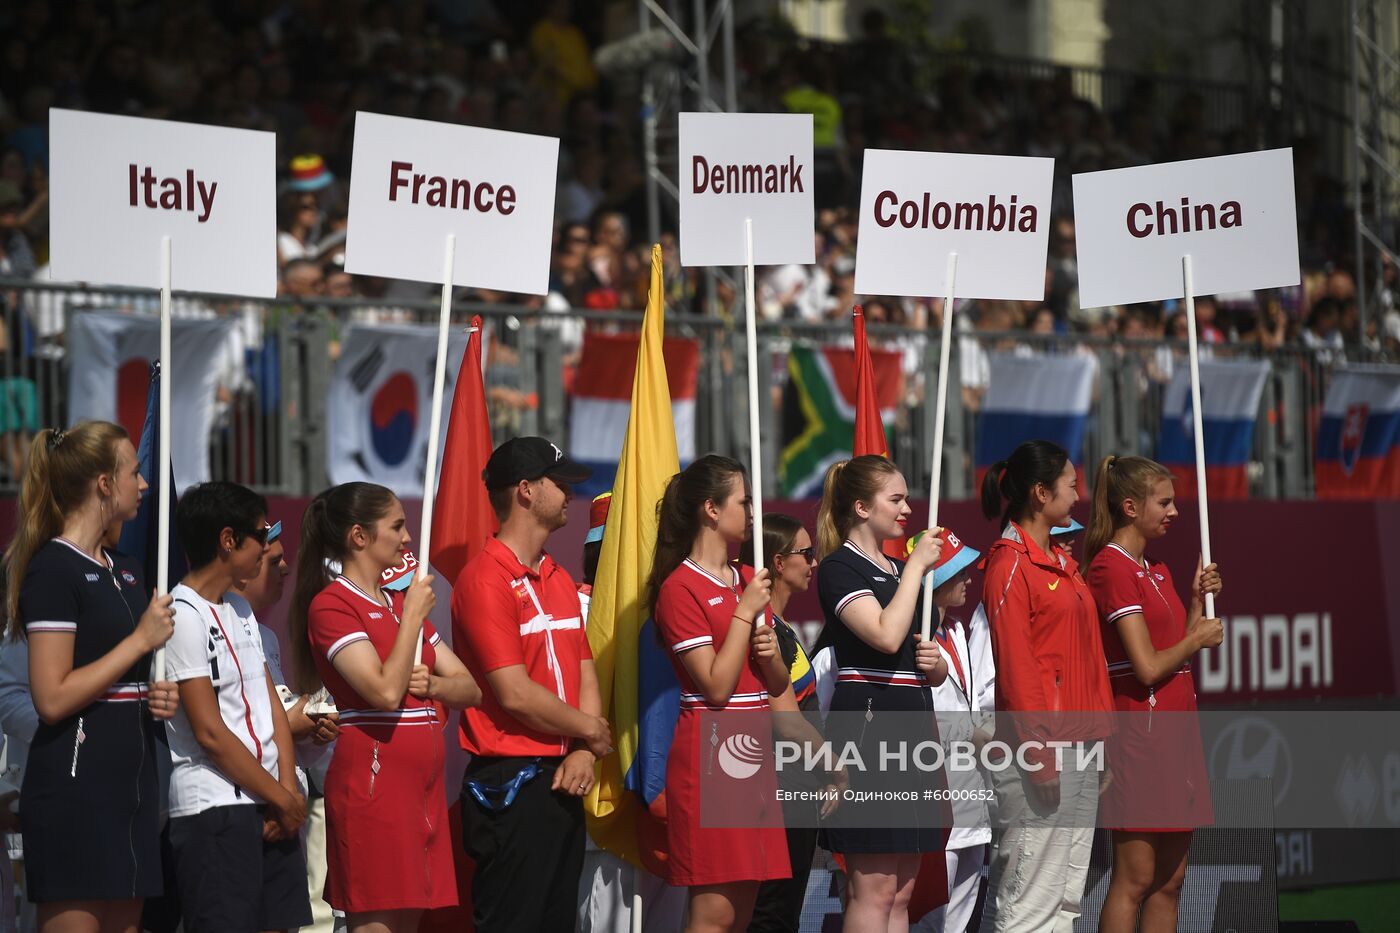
(808,553)
(265,533)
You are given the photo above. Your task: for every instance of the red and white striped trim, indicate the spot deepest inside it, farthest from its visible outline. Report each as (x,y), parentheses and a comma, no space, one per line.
(344,641)
(66,627)
(1121,668)
(850,598)
(737,701)
(888,567)
(106,563)
(1117,614)
(689,643)
(417,716)
(125,693)
(711,577)
(435,639)
(870,675)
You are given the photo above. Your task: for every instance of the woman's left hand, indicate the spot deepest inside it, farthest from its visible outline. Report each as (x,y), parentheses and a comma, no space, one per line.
(764,642)
(1207,581)
(926,655)
(163,699)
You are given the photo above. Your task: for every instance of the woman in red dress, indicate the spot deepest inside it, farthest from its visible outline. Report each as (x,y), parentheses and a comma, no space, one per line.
(388,841)
(707,615)
(1148,640)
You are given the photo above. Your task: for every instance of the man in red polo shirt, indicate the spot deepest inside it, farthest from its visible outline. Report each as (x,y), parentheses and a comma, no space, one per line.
(517,623)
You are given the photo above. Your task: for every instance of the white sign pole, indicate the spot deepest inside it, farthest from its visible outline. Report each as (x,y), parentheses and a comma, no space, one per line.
(755,443)
(163,467)
(636,925)
(425,538)
(940,411)
(1193,349)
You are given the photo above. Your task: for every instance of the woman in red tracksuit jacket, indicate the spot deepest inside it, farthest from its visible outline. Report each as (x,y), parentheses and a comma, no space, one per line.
(1051,680)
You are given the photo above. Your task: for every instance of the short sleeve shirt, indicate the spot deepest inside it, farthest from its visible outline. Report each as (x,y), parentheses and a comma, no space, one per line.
(341,615)
(846,575)
(1122,587)
(221,642)
(696,608)
(68,591)
(505,614)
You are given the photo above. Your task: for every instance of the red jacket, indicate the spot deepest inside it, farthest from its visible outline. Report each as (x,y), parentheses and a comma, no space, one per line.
(1046,645)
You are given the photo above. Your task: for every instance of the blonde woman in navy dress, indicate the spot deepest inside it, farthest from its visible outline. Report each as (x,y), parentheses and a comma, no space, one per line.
(91,810)
(873,607)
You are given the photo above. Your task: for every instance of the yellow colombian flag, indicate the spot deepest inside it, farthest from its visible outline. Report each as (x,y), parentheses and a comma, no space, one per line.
(617,819)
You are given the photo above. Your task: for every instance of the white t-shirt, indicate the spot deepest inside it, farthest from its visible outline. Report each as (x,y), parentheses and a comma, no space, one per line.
(221,642)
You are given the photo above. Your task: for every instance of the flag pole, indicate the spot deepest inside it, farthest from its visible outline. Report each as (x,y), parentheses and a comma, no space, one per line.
(1193,350)
(425,537)
(163,467)
(940,411)
(755,444)
(636,924)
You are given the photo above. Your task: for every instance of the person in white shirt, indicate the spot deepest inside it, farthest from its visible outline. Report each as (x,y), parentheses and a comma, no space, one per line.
(957,702)
(235,804)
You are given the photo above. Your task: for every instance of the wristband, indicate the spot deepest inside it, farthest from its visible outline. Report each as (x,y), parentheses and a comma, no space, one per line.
(741,619)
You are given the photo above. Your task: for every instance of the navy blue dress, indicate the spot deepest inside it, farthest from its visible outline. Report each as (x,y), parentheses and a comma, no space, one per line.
(884,699)
(89,804)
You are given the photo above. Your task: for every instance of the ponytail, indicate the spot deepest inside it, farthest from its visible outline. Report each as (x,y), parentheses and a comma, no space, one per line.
(325,528)
(829,533)
(57,481)
(1118,479)
(1031,464)
(991,489)
(848,482)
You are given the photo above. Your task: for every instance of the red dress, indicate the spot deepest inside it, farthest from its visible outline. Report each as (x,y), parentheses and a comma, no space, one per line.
(388,842)
(1157,763)
(694,608)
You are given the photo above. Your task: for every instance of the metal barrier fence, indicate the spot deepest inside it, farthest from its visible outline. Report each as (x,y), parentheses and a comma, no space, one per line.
(276,441)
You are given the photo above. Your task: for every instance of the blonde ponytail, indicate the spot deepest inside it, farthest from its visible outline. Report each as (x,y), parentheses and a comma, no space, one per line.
(57,480)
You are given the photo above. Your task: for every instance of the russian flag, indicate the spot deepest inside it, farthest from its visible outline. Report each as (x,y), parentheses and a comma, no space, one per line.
(1034,398)
(602,401)
(1358,439)
(1230,394)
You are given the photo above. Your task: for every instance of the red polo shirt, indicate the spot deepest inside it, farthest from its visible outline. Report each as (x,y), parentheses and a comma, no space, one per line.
(505,614)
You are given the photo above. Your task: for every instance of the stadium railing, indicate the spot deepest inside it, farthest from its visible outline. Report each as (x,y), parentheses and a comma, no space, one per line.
(278,445)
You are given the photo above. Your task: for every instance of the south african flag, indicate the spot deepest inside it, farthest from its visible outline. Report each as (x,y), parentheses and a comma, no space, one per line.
(819,411)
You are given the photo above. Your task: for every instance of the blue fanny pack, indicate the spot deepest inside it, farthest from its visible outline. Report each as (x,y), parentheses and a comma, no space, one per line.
(499,797)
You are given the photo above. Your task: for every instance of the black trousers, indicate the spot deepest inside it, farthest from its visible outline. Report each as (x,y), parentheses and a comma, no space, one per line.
(528,856)
(778,908)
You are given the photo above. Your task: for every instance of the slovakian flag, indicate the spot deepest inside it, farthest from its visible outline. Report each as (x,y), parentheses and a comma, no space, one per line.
(641,696)
(139,537)
(1230,394)
(1034,398)
(870,420)
(602,401)
(1358,439)
(822,407)
(462,515)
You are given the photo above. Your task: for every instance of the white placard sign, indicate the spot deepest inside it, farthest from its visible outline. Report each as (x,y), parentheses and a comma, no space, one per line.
(119,185)
(413,182)
(737,166)
(917,207)
(1233,214)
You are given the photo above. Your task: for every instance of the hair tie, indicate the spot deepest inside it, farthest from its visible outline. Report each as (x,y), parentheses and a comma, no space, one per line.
(1112,461)
(56,438)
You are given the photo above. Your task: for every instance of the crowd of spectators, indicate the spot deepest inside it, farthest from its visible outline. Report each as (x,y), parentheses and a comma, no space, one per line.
(303,69)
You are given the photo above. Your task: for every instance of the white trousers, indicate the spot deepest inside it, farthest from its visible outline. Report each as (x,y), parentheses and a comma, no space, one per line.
(1042,862)
(606,887)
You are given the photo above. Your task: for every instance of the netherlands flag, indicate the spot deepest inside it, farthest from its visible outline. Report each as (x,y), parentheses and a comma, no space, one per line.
(1230,394)
(602,401)
(1034,398)
(1358,439)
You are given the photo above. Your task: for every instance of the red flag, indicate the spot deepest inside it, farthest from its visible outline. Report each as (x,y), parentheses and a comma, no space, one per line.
(462,515)
(870,430)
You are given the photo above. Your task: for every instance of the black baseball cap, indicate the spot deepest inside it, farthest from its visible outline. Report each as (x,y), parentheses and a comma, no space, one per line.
(530,458)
